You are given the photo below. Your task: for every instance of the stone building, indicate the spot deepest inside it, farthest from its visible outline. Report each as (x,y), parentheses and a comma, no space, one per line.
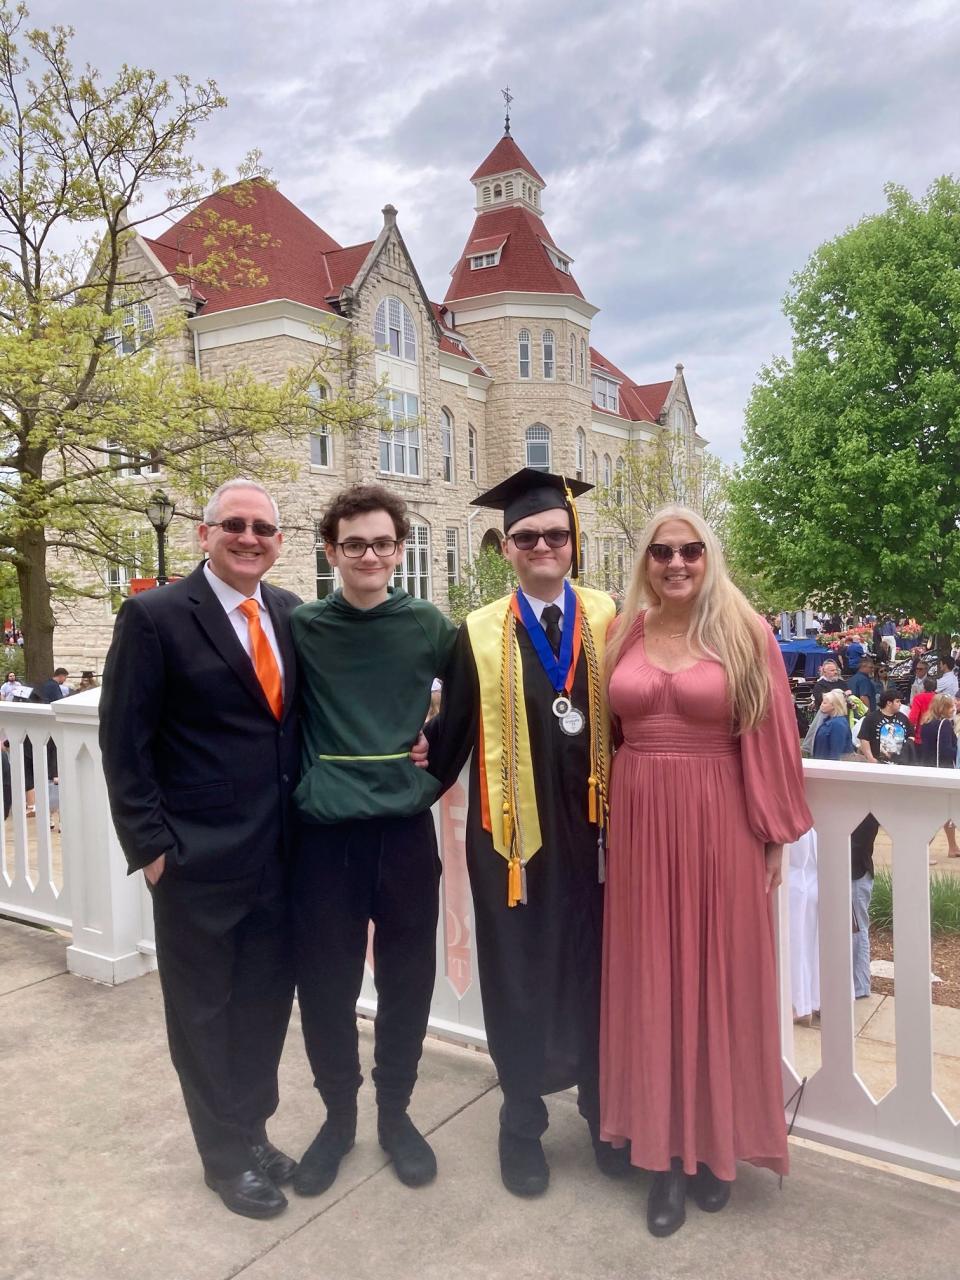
(499,375)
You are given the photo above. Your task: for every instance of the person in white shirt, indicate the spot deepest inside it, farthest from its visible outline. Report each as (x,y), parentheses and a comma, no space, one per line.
(948,682)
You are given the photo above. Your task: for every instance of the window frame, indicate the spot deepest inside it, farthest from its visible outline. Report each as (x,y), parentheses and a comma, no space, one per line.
(472,453)
(538,435)
(523,361)
(548,342)
(453,557)
(402,441)
(415,565)
(389,309)
(448,446)
(580,454)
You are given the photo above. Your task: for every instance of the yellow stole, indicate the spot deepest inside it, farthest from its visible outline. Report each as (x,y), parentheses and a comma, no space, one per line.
(508,794)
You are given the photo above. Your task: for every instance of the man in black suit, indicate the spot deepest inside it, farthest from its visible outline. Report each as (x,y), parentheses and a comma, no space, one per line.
(200,753)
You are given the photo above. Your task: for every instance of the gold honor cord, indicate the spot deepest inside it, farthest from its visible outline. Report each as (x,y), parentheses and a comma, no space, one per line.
(575,532)
(516,872)
(599,809)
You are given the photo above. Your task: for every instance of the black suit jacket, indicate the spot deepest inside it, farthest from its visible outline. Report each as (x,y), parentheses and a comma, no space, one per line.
(197,765)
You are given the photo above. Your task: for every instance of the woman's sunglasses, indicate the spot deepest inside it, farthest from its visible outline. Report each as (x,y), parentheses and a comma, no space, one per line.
(663,553)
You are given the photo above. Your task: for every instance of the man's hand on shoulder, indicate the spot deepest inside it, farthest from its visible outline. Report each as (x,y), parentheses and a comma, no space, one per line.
(154,870)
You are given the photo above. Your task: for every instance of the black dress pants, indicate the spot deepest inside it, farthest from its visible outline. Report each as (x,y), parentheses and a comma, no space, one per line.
(226,969)
(346,874)
(525,1115)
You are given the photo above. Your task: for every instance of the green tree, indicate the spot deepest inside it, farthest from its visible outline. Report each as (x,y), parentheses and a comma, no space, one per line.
(656,475)
(87,398)
(486,578)
(849,490)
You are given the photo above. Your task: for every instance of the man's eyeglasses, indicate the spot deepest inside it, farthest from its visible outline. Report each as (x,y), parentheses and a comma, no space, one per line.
(527,539)
(356,548)
(237,524)
(663,553)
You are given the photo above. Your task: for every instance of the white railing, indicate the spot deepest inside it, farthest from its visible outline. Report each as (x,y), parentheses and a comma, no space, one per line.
(89,892)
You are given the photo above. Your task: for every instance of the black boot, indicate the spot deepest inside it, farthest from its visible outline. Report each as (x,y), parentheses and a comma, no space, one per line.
(666,1203)
(612,1161)
(413,1160)
(523,1166)
(710,1192)
(320,1162)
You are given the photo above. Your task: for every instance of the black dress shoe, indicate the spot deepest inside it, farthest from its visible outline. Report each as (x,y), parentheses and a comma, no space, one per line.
(320,1162)
(523,1166)
(612,1161)
(270,1160)
(413,1160)
(666,1203)
(250,1194)
(710,1192)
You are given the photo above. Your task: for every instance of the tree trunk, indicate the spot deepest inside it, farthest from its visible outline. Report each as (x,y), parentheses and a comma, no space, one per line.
(36,615)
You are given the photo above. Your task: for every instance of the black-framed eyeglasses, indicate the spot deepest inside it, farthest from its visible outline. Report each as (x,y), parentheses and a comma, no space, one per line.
(663,553)
(356,548)
(527,539)
(237,524)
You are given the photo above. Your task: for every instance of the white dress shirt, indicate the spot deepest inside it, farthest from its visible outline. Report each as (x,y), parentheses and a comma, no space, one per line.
(538,607)
(231,599)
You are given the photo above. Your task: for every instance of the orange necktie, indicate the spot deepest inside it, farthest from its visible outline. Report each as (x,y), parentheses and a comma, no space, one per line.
(264,659)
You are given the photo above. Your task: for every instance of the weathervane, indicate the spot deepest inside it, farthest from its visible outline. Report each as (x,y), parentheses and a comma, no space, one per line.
(507,98)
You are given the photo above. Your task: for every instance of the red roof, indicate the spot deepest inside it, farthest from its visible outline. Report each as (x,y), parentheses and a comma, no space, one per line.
(524,264)
(504,157)
(343,265)
(453,346)
(486,244)
(638,402)
(292,261)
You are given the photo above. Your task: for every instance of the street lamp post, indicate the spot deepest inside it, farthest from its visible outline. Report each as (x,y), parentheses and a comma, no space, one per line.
(160,512)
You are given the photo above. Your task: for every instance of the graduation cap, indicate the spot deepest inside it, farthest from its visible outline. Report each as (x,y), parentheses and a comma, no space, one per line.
(528,492)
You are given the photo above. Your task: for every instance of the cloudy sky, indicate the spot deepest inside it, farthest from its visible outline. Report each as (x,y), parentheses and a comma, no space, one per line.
(695,151)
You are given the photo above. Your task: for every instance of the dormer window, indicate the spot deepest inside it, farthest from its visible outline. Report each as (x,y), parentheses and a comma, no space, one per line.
(560,260)
(480,260)
(606,394)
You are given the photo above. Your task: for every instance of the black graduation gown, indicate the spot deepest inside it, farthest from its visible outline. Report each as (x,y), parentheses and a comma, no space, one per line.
(539,963)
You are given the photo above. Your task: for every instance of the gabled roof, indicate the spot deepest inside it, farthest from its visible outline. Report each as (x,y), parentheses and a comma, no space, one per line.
(450,340)
(292,260)
(486,244)
(343,265)
(638,402)
(505,157)
(524,266)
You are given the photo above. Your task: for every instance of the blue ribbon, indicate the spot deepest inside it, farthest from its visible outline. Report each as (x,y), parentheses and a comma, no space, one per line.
(557,666)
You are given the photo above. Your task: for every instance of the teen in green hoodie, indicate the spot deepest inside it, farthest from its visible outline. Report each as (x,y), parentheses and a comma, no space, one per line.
(366,850)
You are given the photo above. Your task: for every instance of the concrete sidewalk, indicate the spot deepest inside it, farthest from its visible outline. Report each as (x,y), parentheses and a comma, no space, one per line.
(102,1181)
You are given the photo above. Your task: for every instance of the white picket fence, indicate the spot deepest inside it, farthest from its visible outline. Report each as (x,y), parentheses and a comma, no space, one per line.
(87,893)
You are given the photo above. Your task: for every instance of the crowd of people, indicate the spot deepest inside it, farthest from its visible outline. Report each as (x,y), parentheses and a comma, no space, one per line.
(633,783)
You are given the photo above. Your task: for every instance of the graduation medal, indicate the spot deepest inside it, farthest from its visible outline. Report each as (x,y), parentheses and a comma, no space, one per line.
(559,667)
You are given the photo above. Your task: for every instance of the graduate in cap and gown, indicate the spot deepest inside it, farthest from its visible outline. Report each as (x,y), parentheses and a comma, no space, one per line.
(524,692)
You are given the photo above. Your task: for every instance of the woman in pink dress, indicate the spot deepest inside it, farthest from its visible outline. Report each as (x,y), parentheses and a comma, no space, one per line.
(706,790)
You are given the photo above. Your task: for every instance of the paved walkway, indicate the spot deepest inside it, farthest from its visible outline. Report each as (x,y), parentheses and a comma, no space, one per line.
(101,1182)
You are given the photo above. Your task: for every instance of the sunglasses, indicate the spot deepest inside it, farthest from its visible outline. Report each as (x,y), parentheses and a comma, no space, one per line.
(663,553)
(356,548)
(527,539)
(236,524)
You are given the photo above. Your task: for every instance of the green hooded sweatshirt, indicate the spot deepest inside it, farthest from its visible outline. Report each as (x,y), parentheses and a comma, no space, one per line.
(365,677)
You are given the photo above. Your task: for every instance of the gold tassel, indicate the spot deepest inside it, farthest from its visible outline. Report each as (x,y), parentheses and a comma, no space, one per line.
(575,530)
(514,883)
(507,825)
(592,799)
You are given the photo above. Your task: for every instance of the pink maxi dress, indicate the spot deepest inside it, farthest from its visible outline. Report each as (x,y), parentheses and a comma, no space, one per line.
(690,1044)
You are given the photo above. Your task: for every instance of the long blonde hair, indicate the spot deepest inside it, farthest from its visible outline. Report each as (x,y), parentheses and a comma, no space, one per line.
(942,707)
(723,624)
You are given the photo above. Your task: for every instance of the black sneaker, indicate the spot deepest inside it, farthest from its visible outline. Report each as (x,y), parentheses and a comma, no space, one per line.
(413,1160)
(320,1162)
(523,1166)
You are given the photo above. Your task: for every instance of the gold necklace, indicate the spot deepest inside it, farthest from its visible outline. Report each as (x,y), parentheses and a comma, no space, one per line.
(672,635)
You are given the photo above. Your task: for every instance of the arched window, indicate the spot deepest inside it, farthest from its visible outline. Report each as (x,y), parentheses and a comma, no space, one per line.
(549,349)
(523,352)
(580,460)
(536,197)
(136,329)
(583,554)
(486,195)
(538,447)
(497,191)
(583,362)
(573,358)
(680,418)
(508,188)
(607,470)
(472,452)
(321,442)
(524,191)
(618,483)
(394,331)
(446,444)
(593,468)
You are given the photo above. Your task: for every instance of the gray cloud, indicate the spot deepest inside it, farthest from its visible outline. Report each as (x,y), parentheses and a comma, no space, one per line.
(696,151)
